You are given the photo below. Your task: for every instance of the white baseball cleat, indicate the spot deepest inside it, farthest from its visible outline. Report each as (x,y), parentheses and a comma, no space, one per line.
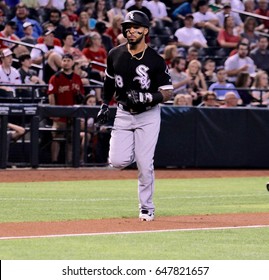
(145,215)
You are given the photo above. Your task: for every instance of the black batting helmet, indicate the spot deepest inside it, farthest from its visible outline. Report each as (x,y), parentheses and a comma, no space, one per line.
(136,17)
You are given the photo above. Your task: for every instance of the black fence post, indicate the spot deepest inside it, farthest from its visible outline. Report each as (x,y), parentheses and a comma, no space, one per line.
(3,141)
(34,141)
(76,142)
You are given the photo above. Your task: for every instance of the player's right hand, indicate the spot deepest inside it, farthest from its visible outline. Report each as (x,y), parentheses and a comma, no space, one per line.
(103,114)
(136,97)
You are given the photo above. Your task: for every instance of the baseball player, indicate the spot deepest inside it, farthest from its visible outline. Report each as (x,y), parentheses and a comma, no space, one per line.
(140,80)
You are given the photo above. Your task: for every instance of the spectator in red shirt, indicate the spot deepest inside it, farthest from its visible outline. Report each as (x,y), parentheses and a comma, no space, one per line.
(9,33)
(115,29)
(169,53)
(263,11)
(70,8)
(56,41)
(64,85)
(63,90)
(95,52)
(226,37)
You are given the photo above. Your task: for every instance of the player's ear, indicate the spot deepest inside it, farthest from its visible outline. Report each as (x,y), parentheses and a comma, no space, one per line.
(146,31)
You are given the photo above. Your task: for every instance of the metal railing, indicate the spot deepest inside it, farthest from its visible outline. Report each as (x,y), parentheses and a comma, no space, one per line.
(36,113)
(32,94)
(260,90)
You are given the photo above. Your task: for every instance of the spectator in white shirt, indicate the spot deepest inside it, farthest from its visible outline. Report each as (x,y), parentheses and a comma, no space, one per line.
(132,2)
(48,53)
(159,12)
(48,4)
(237,4)
(239,62)
(204,18)
(189,36)
(227,10)
(8,74)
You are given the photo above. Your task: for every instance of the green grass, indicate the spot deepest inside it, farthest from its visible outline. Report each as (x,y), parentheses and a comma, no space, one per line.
(56,201)
(110,199)
(231,244)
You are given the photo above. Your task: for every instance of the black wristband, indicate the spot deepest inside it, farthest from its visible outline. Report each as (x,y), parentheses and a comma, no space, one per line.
(109,89)
(157,98)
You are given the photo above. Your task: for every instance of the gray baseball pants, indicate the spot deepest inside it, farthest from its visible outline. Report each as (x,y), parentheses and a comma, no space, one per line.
(134,138)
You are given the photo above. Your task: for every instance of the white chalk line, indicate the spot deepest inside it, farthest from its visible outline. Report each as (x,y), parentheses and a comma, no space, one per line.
(129,232)
(120,198)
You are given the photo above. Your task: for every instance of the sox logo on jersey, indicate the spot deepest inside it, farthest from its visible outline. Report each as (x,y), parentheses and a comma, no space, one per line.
(142,78)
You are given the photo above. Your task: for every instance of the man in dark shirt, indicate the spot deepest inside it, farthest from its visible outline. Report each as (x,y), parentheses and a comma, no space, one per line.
(260,55)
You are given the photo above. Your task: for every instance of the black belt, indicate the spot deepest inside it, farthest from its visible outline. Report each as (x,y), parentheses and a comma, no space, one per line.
(134,111)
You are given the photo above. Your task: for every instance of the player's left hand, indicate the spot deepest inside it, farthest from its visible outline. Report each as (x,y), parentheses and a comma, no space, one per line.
(136,97)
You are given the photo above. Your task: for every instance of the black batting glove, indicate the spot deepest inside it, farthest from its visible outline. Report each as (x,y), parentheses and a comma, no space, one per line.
(103,114)
(136,97)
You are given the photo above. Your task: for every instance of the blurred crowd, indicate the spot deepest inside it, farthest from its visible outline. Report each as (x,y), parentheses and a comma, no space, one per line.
(216,51)
(211,47)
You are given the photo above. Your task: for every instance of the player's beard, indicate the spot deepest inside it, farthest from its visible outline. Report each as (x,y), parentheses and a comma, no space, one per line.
(136,42)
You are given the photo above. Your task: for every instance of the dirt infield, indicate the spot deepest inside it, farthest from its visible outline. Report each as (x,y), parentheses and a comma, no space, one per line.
(27,229)
(46,229)
(46,175)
